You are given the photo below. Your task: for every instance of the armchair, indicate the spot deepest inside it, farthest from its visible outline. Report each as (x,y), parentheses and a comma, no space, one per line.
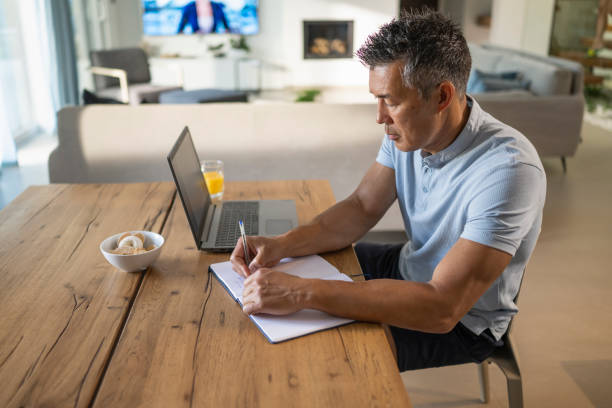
(123,74)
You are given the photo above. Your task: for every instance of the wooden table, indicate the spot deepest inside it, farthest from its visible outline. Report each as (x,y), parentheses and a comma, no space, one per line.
(75,331)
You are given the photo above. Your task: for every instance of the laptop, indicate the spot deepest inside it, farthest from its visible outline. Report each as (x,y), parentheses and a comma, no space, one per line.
(215,226)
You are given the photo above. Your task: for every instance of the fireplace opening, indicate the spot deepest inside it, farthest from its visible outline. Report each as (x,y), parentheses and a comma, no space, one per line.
(328,39)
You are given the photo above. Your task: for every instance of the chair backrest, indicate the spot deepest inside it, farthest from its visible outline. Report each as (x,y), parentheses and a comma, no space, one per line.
(133,60)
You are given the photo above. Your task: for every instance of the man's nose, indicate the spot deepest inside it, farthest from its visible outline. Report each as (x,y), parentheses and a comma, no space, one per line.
(381,114)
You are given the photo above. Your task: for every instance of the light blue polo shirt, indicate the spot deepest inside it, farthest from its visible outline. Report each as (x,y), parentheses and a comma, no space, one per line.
(488,186)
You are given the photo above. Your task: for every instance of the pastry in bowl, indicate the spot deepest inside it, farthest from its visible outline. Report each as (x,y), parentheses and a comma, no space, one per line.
(132,251)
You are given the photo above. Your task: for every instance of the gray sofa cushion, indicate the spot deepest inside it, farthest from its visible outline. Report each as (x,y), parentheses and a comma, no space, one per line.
(484,60)
(495,82)
(546,79)
(572,66)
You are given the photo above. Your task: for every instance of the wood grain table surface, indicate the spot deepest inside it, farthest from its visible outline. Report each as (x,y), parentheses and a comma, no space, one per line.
(75,331)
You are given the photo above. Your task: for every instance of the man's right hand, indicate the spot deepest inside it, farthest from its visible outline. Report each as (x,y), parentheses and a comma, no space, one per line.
(263,251)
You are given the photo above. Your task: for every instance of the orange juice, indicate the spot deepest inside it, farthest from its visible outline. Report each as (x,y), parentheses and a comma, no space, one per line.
(214,183)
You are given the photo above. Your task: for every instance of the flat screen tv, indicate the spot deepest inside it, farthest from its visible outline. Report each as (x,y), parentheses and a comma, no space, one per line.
(170,17)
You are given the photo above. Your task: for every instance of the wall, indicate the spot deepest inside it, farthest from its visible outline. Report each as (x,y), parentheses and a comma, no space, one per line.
(125,22)
(538,26)
(280,41)
(523,24)
(507,20)
(368,16)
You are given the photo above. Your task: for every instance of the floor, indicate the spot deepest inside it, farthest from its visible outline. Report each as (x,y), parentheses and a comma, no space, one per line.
(32,156)
(563,332)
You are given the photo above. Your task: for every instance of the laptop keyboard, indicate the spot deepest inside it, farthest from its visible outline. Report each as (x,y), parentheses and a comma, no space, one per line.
(228,232)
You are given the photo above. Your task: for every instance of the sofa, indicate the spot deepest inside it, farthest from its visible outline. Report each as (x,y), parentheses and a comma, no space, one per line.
(550,111)
(267,141)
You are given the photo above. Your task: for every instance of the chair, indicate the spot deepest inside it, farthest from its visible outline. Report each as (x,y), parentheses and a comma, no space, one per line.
(123,74)
(506,359)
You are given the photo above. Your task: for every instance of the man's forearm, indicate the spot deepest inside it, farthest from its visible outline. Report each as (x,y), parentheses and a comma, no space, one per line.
(335,228)
(348,220)
(412,305)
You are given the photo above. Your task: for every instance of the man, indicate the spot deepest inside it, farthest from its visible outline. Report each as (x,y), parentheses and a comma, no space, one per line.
(471,191)
(189,16)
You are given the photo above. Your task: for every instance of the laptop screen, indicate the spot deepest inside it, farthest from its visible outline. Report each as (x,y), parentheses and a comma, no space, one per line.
(185,166)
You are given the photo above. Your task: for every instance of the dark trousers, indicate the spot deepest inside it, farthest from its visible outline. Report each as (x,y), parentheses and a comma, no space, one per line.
(416,350)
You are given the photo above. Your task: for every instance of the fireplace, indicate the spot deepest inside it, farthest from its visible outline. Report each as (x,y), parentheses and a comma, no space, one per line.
(328,39)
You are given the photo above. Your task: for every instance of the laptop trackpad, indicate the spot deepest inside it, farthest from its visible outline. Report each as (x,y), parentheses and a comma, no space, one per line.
(277,227)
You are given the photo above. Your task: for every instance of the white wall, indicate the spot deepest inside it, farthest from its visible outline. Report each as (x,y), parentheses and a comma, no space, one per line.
(279,43)
(368,16)
(125,22)
(538,26)
(507,20)
(522,24)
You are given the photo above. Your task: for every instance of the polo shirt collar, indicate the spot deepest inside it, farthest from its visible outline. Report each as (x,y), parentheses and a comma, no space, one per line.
(461,142)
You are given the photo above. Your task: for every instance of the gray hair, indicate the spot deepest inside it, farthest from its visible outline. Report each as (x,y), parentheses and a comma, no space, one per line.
(431,45)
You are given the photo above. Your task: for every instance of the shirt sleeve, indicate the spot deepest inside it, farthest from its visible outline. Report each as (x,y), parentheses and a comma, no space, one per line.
(505,206)
(385,154)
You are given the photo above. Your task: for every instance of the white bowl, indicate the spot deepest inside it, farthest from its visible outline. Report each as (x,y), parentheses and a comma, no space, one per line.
(132,263)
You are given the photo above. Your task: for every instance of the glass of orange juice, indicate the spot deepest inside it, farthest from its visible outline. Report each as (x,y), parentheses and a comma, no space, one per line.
(213,176)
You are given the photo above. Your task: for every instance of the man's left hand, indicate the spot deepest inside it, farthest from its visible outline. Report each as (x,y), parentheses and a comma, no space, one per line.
(273,292)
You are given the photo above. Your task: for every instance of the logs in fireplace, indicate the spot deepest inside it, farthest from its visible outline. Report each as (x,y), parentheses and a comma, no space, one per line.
(328,39)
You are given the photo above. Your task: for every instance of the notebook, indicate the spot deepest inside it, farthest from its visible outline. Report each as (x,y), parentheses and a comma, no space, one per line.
(281,328)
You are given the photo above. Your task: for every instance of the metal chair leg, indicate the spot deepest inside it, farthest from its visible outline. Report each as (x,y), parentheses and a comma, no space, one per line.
(483,379)
(515,393)
(564,164)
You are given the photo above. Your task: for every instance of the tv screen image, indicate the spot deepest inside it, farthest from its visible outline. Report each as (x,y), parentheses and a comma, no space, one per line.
(170,17)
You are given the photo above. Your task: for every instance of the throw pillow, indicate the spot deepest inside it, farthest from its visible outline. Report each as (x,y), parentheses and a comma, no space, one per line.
(480,81)
(496,85)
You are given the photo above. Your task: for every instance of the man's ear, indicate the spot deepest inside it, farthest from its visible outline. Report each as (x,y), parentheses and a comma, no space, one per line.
(446,93)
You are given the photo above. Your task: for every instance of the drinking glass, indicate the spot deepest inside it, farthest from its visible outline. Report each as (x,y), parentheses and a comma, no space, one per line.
(213,176)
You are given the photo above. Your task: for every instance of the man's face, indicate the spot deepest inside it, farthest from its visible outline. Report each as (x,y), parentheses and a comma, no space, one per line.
(410,121)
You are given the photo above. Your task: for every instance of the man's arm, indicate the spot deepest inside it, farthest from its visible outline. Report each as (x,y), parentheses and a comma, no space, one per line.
(348,220)
(459,280)
(335,228)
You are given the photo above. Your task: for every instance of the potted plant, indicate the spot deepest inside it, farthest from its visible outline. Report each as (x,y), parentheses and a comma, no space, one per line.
(307,95)
(239,46)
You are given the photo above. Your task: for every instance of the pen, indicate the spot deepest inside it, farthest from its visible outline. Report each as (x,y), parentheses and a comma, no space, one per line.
(244,243)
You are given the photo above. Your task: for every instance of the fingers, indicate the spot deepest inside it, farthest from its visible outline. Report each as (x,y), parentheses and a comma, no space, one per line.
(273,292)
(255,281)
(251,303)
(262,258)
(261,251)
(238,262)
(251,308)
(253,292)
